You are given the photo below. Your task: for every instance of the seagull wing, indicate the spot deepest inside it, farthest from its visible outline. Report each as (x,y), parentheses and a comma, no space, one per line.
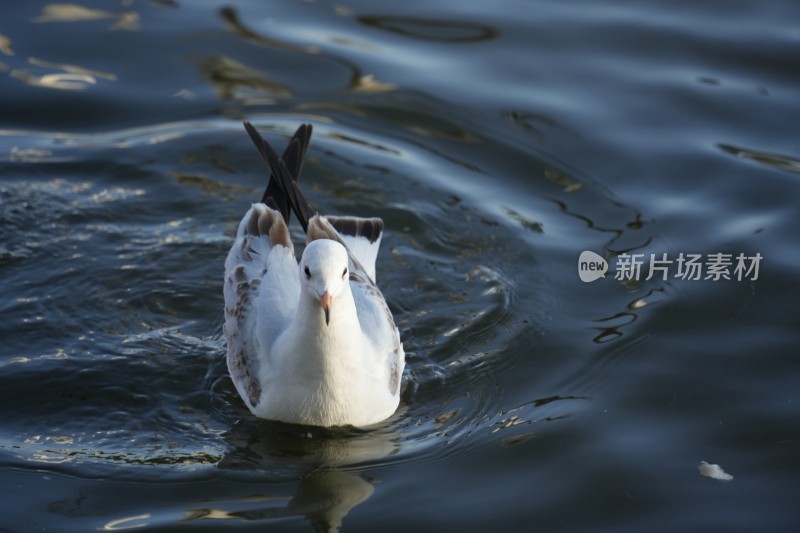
(361,237)
(374,316)
(261,285)
(261,290)
(262,282)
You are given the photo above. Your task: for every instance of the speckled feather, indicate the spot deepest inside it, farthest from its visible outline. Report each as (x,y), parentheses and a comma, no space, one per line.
(285,362)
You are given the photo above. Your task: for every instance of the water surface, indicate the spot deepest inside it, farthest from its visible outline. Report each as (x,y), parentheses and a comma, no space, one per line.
(497,143)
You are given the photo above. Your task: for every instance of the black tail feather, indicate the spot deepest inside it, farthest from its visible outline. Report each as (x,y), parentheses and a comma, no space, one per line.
(295,152)
(293,157)
(282,192)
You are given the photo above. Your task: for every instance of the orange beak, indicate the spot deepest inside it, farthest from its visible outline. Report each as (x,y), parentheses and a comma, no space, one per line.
(326,306)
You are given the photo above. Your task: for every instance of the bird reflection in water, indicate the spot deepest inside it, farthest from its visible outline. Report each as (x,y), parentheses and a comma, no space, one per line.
(318,458)
(323,497)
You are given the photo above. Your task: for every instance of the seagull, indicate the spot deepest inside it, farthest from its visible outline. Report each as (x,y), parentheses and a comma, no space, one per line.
(313,342)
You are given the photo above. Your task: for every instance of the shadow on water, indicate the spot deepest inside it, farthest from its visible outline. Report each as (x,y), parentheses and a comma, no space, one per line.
(315,464)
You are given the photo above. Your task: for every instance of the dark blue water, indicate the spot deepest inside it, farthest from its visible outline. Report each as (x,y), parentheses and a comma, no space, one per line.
(498,142)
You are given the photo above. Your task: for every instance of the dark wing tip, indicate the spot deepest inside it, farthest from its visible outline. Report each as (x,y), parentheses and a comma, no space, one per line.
(296,150)
(368,228)
(282,192)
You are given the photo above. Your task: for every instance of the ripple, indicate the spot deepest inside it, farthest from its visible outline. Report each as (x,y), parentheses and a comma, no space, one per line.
(458,298)
(778,161)
(423,29)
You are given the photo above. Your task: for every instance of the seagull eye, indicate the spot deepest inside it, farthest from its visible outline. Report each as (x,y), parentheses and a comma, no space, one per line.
(344,273)
(308,272)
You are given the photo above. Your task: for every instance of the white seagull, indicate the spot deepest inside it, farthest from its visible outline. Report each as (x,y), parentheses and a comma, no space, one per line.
(312,343)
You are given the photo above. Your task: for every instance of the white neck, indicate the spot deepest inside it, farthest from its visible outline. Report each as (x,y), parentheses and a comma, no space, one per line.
(324,358)
(311,332)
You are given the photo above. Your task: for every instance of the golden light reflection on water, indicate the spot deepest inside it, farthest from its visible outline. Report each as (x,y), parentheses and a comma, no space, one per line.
(234,81)
(5,45)
(770,159)
(66,77)
(72,69)
(368,84)
(70,77)
(65,82)
(76,13)
(610,327)
(359,82)
(70,13)
(128,522)
(556,176)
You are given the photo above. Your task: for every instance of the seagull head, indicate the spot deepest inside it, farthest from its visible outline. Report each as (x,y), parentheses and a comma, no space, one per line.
(324,273)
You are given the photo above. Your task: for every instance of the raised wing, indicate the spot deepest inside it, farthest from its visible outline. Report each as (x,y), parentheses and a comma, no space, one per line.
(378,324)
(261,268)
(250,264)
(362,238)
(374,315)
